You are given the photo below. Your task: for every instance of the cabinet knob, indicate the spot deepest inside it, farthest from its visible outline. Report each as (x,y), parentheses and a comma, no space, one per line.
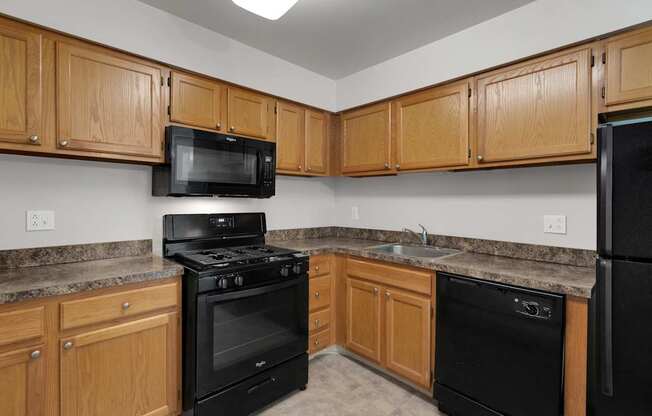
(232,128)
(307,169)
(386,165)
(316,323)
(67,345)
(219,126)
(300,167)
(387,294)
(480,158)
(125,306)
(33,139)
(35,354)
(63,143)
(398,167)
(316,342)
(375,291)
(316,268)
(317,295)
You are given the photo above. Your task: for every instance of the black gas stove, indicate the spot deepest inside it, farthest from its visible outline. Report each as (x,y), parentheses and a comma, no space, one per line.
(245,313)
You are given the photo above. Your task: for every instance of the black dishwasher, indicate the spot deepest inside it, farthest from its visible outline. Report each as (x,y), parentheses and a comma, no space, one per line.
(499,349)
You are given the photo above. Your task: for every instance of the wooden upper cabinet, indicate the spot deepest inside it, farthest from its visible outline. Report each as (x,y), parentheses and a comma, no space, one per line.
(107,102)
(126,369)
(317,143)
(629,68)
(408,326)
(22,382)
(197,101)
(366,139)
(290,137)
(432,128)
(250,113)
(363,309)
(21,86)
(536,109)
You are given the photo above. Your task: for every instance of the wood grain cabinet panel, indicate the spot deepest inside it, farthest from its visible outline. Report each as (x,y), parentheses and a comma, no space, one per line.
(320,292)
(407,331)
(366,139)
(290,137)
(22,382)
(20,86)
(432,128)
(107,103)
(22,325)
(629,68)
(536,109)
(127,369)
(317,143)
(197,101)
(363,314)
(249,113)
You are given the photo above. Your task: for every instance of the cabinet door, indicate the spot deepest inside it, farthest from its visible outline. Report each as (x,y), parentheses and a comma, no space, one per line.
(366,139)
(290,137)
(107,103)
(20,86)
(536,110)
(197,101)
(22,383)
(127,369)
(432,128)
(316,142)
(249,113)
(363,319)
(629,68)
(407,327)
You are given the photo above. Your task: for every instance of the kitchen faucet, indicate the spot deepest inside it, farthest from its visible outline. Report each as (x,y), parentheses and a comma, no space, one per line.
(423,235)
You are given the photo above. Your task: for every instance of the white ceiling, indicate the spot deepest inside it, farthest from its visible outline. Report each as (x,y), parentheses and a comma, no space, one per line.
(336,38)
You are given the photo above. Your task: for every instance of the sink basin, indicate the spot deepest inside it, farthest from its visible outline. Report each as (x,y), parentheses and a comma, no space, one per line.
(414,251)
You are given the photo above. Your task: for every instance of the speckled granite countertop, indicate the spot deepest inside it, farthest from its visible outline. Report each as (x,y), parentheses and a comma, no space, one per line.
(62,279)
(551,277)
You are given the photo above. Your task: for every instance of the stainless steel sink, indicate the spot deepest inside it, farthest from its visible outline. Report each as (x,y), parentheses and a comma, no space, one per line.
(414,251)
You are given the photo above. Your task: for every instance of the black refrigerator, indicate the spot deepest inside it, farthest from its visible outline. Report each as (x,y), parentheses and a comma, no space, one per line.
(620,329)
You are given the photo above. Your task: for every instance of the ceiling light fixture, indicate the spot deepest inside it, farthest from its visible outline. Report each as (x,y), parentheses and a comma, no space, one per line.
(269,9)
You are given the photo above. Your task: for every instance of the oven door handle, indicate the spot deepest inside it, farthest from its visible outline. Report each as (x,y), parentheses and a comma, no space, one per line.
(210,299)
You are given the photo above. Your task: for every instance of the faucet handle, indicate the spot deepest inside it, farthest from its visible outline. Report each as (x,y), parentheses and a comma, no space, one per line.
(423,228)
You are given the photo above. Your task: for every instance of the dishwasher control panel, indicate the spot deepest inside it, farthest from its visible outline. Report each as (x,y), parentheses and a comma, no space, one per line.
(533,308)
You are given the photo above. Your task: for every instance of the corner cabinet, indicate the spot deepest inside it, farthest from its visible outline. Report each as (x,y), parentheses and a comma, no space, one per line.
(21,87)
(107,102)
(432,128)
(366,140)
(536,110)
(250,114)
(197,101)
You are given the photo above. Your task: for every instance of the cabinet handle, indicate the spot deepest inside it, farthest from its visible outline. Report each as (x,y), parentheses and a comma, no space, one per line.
(63,143)
(125,306)
(33,139)
(398,167)
(316,323)
(219,126)
(316,342)
(232,128)
(386,165)
(480,158)
(387,294)
(67,345)
(307,169)
(375,291)
(35,354)
(299,167)
(317,295)
(316,268)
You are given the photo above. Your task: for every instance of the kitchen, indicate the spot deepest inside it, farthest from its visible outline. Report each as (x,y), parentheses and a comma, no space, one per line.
(507,195)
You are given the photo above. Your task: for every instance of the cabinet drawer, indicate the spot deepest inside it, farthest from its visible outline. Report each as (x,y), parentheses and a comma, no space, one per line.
(22,325)
(404,278)
(104,308)
(319,341)
(319,266)
(320,292)
(319,320)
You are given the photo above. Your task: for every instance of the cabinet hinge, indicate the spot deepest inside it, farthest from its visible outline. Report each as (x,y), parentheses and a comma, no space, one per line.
(592,138)
(469,153)
(162,80)
(470,92)
(604,57)
(432,312)
(604,90)
(275,109)
(169,110)
(592,61)
(432,376)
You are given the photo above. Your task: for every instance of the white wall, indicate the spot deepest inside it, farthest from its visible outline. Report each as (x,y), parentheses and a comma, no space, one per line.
(501,205)
(136,27)
(534,28)
(100,201)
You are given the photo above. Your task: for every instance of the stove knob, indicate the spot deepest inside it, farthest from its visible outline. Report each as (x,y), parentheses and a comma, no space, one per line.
(297,268)
(285,271)
(239,280)
(223,283)
(531,309)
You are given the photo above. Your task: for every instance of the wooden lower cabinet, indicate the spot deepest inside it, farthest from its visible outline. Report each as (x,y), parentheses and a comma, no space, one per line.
(321,321)
(407,334)
(22,382)
(126,369)
(363,318)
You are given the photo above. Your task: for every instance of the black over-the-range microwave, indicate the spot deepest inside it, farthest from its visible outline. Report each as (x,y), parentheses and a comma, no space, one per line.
(201,163)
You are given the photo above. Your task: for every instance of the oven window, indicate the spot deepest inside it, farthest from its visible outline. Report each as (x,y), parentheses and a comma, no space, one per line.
(237,165)
(249,327)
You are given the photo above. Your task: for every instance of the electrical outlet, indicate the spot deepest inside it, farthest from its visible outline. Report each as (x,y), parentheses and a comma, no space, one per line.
(554,224)
(39,220)
(355,213)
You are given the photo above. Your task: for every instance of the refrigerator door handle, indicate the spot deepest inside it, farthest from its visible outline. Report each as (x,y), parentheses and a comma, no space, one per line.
(605,190)
(605,277)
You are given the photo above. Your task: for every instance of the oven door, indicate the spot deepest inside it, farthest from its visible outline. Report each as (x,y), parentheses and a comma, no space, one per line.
(245,332)
(204,163)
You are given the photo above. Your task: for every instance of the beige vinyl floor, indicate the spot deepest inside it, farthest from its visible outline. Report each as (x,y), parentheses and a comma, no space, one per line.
(340,386)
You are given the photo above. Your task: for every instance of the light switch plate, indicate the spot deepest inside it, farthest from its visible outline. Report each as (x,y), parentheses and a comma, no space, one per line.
(39,220)
(554,224)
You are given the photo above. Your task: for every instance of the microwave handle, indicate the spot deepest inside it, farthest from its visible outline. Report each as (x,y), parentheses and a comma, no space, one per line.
(210,299)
